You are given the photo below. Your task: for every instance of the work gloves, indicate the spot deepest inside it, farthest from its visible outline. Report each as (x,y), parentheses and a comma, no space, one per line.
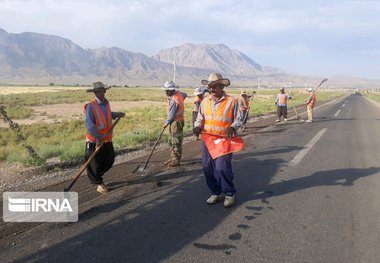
(230,132)
(197,131)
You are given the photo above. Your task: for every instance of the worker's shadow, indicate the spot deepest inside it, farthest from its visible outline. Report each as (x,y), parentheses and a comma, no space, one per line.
(343,177)
(165,220)
(157,223)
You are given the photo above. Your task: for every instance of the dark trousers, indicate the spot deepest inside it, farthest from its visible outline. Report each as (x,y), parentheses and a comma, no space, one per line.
(282,110)
(101,163)
(244,116)
(194,117)
(218,173)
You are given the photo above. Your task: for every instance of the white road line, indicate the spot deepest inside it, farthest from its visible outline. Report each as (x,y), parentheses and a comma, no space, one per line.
(307,148)
(337,113)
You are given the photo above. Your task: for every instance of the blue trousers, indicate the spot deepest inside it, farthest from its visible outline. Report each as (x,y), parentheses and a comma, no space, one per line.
(218,173)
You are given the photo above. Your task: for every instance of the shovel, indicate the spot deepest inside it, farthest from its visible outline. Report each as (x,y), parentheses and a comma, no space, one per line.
(140,170)
(84,166)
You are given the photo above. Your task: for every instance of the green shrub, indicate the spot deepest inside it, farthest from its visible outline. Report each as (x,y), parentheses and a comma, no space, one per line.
(73,151)
(19,112)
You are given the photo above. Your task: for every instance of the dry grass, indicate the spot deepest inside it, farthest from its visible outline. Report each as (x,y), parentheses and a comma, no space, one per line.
(34,89)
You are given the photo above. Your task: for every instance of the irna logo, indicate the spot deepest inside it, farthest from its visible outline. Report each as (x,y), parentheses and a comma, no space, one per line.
(40,206)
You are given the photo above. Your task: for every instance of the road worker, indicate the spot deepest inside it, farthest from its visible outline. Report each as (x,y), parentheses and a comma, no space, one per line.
(243,107)
(310,102)
(98,122)
(282,105)
(199,94)
(219,115)
(175,121)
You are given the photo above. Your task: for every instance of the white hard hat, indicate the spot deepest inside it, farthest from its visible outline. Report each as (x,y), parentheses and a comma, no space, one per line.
(199,91)
(169,85)
(310,89)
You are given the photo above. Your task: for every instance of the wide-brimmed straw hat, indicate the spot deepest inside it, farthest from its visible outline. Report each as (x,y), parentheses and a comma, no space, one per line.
(98,86)
(310,89)
(169,85)
(216,78)
(243,92)
(282,88)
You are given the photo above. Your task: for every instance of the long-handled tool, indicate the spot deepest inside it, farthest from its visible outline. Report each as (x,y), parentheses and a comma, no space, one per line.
(320,84)
(298,117)
(140,170)
(92,156)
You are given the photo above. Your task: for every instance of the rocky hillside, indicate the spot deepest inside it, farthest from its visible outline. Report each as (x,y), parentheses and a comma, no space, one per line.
(29,58)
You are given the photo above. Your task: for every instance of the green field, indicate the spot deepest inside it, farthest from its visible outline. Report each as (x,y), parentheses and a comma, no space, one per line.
(65,140)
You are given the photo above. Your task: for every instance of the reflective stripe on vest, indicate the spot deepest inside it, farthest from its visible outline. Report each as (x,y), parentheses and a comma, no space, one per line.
(101,123)
(221,119)
(178,98)
(282,98)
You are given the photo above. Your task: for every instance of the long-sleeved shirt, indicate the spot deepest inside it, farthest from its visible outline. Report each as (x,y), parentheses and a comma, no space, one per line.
(90,118)
(236,121)
(173,106)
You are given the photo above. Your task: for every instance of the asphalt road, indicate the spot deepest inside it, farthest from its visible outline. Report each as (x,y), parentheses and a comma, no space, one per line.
(307,192)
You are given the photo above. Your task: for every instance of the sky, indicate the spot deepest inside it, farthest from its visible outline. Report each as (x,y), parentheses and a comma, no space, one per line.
(313,38)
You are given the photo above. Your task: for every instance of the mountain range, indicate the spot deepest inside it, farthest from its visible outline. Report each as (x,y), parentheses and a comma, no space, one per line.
(34,58)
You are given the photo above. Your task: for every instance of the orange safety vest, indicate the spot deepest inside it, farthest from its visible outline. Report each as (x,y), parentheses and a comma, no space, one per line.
(312,101)
(221,119)
(178,98)
(197,99)
(243,103)
(101,123)
(282,99)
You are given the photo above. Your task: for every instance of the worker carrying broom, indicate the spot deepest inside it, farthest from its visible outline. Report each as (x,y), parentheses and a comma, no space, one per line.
(98,122)
(310,102)
(218,115)
(175,121)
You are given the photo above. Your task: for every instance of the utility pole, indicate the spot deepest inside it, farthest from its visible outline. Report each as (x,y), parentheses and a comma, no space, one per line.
(174,71)
(258,85)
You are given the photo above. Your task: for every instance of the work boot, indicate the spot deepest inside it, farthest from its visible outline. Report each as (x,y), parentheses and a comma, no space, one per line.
(102,188)
(229,201)
(213,199)
(277,120)
(309,121)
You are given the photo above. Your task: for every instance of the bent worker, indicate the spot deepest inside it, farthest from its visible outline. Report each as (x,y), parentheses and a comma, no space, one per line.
(98,123)
(310,102)
(175,121)
(282,105)
(219,115)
